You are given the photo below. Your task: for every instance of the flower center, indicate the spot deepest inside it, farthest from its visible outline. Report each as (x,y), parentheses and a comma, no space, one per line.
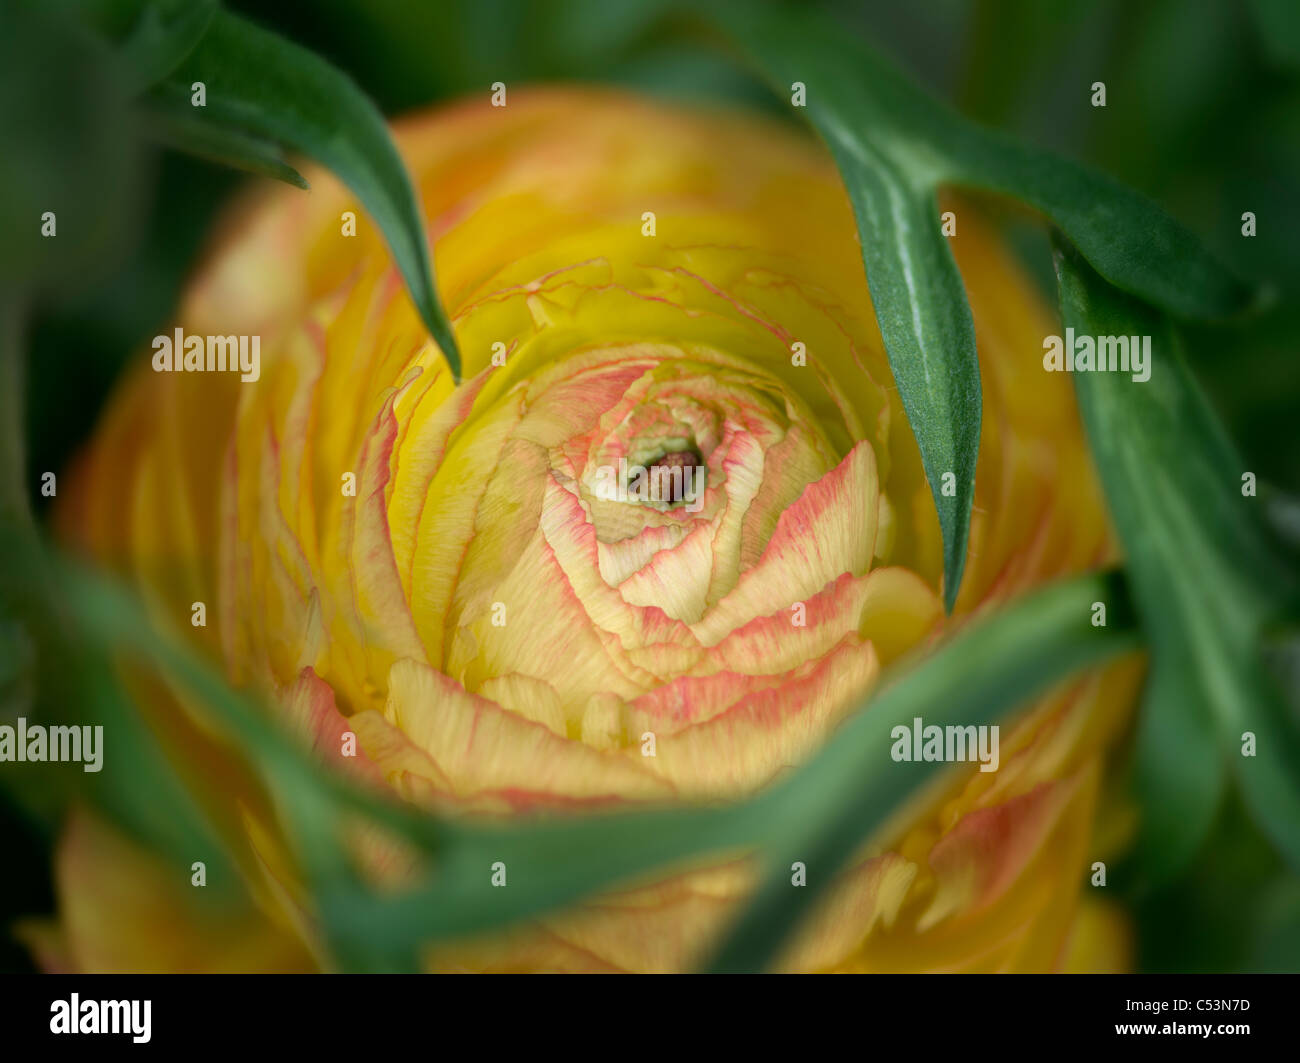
(677,476)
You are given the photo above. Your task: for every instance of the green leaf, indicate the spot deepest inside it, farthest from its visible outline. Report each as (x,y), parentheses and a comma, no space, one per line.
(895,145)
(111,616)
(926,324)
(1207,578)
(1181,776)
(1127,238)
(164,34)
(183,131)
(917,293)
(267,88)
(70,681)
(860,95)
(550,862)
(839,799)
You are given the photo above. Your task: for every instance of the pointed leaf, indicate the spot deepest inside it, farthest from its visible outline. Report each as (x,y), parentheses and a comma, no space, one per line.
(267,88)
(919,300)
(184,132)
(1207,578)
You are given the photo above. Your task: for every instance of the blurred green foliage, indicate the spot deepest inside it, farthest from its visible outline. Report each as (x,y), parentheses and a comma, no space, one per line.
(1203,115)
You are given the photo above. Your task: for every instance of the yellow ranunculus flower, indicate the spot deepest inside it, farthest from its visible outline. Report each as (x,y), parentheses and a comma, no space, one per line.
(455,574)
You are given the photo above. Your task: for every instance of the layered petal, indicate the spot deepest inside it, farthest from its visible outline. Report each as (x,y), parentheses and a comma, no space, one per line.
(655,546)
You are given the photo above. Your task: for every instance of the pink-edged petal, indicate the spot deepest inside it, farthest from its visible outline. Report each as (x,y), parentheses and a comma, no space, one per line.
(761,733)
(891,607)
(830,530)
(744,469)
(309,707)
(429,419)
(530,621)
(623,557)
(676,580)
(980,858)
(385,627)
(572,540)
(788,466)
(483,750)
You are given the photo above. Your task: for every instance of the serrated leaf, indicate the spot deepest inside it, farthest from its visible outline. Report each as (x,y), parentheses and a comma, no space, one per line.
(1206,577)
(266,88)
